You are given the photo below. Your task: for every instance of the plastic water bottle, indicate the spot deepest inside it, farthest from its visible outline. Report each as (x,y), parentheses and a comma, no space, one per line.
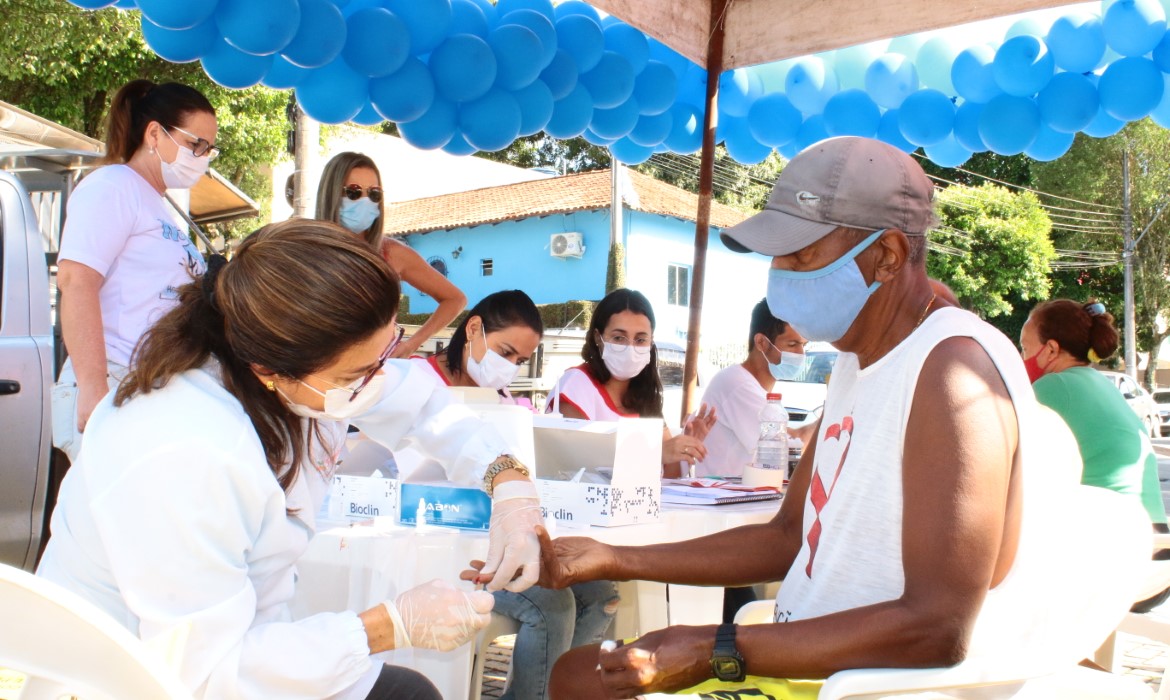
(772,447)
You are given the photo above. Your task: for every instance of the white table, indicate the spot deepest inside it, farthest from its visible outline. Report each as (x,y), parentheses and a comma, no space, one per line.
(354,567)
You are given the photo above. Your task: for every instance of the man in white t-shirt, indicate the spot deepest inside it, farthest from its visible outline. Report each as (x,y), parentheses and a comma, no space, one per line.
(738,393)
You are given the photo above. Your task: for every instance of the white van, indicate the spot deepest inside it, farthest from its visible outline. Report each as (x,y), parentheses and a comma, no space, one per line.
(804,396)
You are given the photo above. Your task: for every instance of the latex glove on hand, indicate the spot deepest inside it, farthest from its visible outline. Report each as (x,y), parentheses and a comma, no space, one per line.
(436,615)
(512,543)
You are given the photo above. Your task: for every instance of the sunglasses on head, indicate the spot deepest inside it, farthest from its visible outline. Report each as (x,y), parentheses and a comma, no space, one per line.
(354,192)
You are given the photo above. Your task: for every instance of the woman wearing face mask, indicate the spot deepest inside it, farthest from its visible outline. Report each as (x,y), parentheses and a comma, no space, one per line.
(350,194)
(171,527)
(124,253)
(499,334)
(619,377)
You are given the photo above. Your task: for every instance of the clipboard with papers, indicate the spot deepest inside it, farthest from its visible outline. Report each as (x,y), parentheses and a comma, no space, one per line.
(713,492)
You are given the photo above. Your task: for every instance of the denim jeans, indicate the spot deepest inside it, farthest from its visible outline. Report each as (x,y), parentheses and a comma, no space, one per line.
(551,623)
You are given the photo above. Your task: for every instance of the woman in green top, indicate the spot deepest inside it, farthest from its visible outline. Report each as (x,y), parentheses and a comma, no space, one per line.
(1060,339)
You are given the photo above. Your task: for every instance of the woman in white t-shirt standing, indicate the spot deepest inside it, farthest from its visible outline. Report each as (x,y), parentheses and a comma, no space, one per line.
(123,255)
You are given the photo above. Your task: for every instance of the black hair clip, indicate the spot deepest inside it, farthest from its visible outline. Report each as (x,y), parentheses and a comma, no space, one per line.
(215,263)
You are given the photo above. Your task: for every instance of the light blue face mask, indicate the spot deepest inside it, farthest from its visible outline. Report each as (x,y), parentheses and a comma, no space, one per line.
(790,366)
(358,215)
(822,304)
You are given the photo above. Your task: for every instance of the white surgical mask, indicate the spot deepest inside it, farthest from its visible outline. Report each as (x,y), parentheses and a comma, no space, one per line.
(338,406)
(625,361)
(789,367)
(358,215)
(187,168)
(493,370)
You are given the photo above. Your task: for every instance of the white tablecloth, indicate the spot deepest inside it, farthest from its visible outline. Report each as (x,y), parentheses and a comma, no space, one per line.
(354,567)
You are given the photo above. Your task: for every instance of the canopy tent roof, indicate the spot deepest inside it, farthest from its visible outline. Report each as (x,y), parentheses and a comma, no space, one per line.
(762,31)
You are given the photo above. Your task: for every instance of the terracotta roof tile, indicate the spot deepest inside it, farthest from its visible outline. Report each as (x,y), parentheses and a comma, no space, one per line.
(555,195)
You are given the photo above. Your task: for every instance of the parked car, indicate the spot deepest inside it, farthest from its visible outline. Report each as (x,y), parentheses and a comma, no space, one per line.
(1139,400)
(1162,398)
(804,396)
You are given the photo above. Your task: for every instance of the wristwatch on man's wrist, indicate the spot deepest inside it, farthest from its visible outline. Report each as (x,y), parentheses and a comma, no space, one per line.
(726,661)
(502,463)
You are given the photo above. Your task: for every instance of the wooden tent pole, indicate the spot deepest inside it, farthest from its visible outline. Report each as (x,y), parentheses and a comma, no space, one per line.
(703,217)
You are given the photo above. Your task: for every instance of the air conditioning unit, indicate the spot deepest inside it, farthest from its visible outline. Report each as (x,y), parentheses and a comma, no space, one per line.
(566,245)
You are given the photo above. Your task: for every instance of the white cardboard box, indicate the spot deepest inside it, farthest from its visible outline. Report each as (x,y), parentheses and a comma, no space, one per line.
(632,447)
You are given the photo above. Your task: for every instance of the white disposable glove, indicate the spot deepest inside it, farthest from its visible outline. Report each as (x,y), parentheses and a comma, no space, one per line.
(512,543)
(436,615)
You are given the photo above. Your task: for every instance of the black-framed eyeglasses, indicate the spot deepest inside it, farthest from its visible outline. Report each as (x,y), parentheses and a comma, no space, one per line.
(199,146)
(1095,309)
(354,192)
(381,362)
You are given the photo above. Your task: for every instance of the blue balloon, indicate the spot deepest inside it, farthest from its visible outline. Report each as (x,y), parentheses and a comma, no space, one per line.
(686,129)
(934,62)
(1134,27)
(320,37)
(850,63)
(233,68)
(890,79)
(518,55)
(582,39)
(631,153)
(809,84)
(926,117)
(434,128)
(1024,27)
(464,68)
(1103,125)
(1009,124)
(1077,42)
(571,114)
(541,26)
(426,21)
(404,95)
(1130,88)
(258,27)
(773,120)
(492,122)
(948,153)
(664,54)
(692,86)
(283,75)
(651,129)
(458,146)
(333,94)
(536,107)
(576,7)
(973,76)
(126,5)
(468,18)
(616,122)
(180,45)
(966,129)
(489,13)
(597,140)
(811,131)
(542,7)
(611,82)
(1161,113)
(377,42)
(740,144)
(788,151)
(1023,66)
(889,132)
(92,4)
(629,42)
(655,88)
(177,15)
(561,75)
(368,116)
(1049,145)
(851,113)
(1069,102)
(738,89)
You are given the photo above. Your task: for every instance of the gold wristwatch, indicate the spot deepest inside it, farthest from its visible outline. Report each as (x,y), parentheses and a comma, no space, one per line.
(502,463)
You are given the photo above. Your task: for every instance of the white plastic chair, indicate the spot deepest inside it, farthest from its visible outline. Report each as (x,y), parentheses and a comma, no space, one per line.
(500,626)
(66,646)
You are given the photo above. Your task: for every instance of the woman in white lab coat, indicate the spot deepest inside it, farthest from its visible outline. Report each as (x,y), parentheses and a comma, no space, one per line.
(183,519)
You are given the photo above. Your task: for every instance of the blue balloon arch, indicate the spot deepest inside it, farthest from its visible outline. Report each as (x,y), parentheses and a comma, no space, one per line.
(468,75)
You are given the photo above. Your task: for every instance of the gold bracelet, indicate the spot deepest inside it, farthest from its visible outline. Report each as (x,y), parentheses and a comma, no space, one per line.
(502,463)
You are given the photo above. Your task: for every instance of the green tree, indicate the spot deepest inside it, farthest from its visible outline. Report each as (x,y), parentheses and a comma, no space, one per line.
(992,249)
(65,64)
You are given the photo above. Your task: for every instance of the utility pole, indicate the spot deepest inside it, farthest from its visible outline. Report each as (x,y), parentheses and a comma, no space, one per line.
(306,142)
(1127,259)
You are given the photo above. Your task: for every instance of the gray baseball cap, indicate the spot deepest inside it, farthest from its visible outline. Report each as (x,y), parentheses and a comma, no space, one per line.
(844,181)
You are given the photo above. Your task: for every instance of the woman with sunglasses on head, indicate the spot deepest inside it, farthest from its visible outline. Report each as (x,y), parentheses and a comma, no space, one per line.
(350,194)
(196,491)
(124,252)
(619,378)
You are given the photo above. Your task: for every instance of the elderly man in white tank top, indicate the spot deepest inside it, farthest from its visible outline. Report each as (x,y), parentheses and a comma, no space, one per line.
(911,533)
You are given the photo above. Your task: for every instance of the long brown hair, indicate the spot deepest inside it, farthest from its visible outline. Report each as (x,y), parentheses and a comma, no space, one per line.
(295,296)
(333,181)
(1076,327)
(140,102)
